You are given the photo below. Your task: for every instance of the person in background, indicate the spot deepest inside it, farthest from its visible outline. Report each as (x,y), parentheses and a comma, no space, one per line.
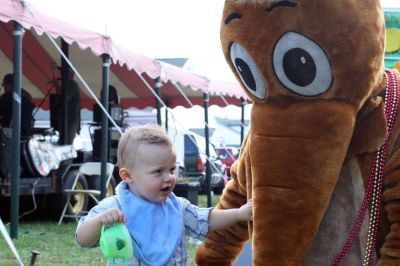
(6,103)
(112,95)
(114,108)
(73,99)
(73,96)
(156,219)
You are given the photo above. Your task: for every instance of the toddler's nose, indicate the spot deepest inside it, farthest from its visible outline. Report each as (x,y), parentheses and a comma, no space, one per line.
(168,177)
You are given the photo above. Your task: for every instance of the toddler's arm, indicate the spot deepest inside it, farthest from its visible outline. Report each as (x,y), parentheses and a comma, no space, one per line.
(221,219)
(88,233)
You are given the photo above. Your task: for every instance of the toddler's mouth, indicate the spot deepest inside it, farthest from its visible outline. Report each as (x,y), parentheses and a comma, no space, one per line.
(166,189)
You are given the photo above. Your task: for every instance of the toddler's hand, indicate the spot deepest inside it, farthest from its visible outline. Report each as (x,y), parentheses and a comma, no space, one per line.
(245,213)
(111,216)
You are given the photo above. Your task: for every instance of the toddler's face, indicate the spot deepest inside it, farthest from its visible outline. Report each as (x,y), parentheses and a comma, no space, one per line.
(153,174)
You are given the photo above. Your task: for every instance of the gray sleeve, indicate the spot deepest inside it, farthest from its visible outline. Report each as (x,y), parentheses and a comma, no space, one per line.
(195,219)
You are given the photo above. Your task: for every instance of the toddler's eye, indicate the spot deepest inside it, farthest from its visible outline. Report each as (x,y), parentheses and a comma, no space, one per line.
(172,171)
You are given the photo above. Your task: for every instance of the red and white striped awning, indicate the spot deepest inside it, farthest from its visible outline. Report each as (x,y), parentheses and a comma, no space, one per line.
(131,73)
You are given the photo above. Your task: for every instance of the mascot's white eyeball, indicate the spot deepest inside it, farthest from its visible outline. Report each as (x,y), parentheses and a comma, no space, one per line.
(301,65)
(248,71)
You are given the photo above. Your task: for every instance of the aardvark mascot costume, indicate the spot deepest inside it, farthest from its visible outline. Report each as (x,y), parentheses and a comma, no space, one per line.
(321,159)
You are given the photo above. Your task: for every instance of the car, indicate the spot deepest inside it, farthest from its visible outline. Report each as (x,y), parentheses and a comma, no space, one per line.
(195,163)
(228,155)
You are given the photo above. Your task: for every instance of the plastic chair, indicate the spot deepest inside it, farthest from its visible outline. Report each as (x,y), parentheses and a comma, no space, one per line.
(86,169)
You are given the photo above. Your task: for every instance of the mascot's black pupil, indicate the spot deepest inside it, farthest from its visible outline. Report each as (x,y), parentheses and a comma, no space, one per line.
(244,71)
(299,67)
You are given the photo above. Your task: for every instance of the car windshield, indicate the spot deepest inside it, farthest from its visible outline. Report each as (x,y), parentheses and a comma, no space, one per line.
(224,152)
(192,148)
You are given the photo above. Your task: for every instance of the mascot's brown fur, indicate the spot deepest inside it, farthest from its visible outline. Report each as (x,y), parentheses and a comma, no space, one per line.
(314,70)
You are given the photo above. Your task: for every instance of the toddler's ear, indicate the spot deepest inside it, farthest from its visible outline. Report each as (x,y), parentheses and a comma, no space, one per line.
(124,174)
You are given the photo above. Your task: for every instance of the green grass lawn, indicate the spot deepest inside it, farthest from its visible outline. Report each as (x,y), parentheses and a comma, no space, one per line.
(57,246)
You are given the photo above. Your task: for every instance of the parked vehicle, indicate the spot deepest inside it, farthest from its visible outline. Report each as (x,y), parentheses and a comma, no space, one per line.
(195,163)
(228,155)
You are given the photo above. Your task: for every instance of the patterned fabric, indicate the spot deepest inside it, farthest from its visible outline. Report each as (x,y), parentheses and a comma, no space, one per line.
(195,221)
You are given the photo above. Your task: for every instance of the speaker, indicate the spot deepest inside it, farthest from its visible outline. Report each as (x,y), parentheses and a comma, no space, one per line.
(5,152)
(55,113)
(113,139)
(115,111)
(97,145)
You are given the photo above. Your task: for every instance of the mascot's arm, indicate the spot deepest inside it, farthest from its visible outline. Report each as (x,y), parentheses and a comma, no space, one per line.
(221,247)
(390,251)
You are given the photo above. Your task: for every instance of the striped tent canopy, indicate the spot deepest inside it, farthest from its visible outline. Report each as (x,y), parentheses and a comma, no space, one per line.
(133,74)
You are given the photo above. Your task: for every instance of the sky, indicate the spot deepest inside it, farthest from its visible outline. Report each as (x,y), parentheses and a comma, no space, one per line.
(157,28)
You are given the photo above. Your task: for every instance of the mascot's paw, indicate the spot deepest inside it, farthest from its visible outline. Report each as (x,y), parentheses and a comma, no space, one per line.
(205,256)
(218,251)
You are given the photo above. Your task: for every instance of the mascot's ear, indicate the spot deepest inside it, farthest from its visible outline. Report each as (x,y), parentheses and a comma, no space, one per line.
(370,129)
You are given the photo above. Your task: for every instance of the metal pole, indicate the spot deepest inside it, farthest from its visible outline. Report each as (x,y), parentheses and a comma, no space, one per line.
(166,116)
(16,130)
(64,107)
(243,104)
(206,134)
(105,141)
(157,89)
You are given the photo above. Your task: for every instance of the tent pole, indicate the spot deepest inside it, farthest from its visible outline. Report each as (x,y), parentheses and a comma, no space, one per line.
(157,88)
(105,140)
(16,130)
(243,104)
(206,134)
(166,116)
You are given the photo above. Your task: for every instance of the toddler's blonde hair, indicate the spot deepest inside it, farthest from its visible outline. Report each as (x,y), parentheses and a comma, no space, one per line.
(133,137)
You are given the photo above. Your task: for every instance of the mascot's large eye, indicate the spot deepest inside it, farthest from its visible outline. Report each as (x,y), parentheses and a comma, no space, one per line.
(248,71)
(301,65)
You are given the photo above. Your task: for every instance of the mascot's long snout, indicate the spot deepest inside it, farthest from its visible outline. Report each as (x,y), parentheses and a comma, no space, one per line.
(295,167)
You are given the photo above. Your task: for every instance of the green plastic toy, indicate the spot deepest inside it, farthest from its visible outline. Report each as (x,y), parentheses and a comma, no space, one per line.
(116,242)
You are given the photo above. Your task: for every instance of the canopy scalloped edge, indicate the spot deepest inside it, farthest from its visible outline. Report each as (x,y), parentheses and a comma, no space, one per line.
(21,11)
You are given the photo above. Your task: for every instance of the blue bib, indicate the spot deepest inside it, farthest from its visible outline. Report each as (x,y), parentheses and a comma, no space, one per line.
(155,228)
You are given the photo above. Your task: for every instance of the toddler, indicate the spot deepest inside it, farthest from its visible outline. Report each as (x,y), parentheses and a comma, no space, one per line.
(156,219)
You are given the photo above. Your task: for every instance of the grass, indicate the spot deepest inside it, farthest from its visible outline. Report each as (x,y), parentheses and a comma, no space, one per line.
(57,246)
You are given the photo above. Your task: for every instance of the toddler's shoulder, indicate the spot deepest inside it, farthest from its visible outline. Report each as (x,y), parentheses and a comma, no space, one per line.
(108,203)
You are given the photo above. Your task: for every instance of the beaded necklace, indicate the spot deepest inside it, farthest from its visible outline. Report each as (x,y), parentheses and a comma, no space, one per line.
(373,192)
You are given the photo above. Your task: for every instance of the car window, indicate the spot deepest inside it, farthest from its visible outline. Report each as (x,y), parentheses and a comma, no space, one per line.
(223,154)
(190,146)
(195,145)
